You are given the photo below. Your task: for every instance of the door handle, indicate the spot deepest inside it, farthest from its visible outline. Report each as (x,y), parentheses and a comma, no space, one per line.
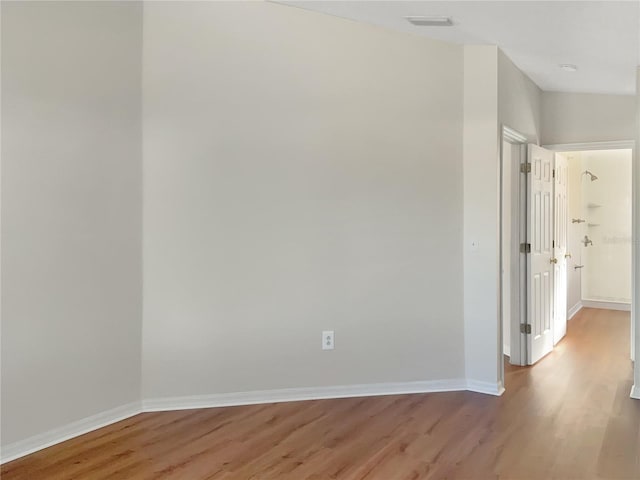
(578,266)
(568,255)
(553,260)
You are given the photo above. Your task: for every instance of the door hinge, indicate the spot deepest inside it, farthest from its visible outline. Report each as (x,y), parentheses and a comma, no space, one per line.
(553,244)
(525,167)
(554,173)
(525,328)
(525,248)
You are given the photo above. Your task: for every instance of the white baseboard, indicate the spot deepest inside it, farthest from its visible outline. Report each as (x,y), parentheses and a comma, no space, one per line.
(625,307)
(635,392)
(487,388)
(299,394)
(80,427)
(506,350)
(574,310)
(67,432)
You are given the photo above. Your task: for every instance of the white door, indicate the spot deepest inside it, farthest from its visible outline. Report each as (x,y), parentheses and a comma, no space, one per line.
(540,266)
(560,243)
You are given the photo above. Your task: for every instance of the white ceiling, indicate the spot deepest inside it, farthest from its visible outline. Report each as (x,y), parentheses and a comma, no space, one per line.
(600,37)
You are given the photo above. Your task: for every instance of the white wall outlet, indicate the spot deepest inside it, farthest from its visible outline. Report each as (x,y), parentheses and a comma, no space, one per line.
(328,340)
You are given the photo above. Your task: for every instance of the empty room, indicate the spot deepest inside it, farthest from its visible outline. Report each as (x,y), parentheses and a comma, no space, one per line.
(381,240)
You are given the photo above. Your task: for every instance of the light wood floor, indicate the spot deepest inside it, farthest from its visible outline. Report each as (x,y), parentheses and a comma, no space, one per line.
(569,417)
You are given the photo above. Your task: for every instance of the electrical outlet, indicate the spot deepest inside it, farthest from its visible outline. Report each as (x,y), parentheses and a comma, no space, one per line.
(328,342)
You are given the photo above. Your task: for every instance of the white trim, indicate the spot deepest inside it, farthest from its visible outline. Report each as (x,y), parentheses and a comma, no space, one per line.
(635,392)
(506,350)
(69,431)
(512,136)
(52,437)
(300,394)
(573,311)
(625,307)
(487,388)
(579,147)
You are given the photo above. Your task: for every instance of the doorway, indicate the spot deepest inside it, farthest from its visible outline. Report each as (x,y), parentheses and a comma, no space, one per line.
(600,230)
(512,264)
(569,261)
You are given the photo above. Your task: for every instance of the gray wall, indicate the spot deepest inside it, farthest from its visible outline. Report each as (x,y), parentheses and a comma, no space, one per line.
(519,100)
(496,92)
(520,108)
(302,173)
(635,295)
(481,221)
(71,212)
(585,117)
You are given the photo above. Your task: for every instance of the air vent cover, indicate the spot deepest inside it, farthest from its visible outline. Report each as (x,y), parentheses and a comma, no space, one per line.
(430,21)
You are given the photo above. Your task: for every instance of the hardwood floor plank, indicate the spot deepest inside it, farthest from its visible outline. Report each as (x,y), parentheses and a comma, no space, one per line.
(568,417)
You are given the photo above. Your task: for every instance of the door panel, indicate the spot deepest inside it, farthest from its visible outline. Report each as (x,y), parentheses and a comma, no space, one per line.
(561,224)
(540,269)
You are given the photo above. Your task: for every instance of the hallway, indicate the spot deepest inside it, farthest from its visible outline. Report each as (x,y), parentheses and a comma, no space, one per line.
(570,416)
(575,405)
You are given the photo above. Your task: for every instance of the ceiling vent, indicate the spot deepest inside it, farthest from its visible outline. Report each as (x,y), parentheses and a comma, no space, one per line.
(430,21)
(568,67)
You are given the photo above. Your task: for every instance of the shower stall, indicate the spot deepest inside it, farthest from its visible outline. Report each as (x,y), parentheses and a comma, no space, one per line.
(600,201)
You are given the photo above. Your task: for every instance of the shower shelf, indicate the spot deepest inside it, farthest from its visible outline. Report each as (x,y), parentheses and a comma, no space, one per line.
(593,205)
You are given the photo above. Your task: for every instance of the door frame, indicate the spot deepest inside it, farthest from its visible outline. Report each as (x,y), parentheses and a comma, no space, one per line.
(517,268)
(635,228)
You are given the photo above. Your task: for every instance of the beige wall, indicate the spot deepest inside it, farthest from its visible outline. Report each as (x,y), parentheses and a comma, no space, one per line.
(71,212)
(302,173)
(607,272)
(584,117)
